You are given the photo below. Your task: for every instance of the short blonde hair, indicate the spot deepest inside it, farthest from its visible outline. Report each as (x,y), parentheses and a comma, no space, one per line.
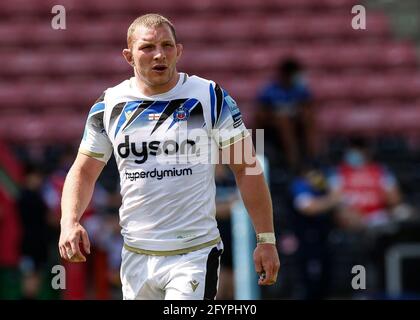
(150,20)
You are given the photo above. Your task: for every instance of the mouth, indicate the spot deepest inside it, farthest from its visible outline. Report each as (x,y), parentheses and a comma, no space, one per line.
(159,68)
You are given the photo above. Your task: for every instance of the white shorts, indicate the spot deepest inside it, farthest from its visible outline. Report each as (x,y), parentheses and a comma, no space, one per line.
(189,276)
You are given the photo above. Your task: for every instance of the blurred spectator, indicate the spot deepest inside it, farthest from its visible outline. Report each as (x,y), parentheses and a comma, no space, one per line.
(76,273)
(53,186)
(10,251)
(313,204)
(226,195)
(106,239)
(33,212)
(285,106)
(11,176)
(369,190)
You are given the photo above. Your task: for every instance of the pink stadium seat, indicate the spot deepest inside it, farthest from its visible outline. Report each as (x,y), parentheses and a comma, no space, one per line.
(371,118)
(53,95)
(196,59)
(255,27)
(59,62)
(62,127)
(56,75)
(314,57)
(43,7)
(367,86)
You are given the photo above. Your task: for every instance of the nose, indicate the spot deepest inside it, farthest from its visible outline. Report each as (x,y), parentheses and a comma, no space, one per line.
(159,54)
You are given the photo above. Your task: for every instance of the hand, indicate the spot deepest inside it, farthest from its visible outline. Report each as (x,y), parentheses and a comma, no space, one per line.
(72,233)
(266,260)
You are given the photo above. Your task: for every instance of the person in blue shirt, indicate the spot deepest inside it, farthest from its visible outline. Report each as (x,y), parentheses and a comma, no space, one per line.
(285,107)
(313,206)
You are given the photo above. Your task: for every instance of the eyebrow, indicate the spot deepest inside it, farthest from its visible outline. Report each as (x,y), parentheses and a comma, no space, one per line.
(146,42)
(163,40)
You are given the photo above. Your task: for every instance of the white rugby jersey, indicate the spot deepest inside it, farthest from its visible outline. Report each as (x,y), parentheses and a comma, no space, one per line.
(161,146)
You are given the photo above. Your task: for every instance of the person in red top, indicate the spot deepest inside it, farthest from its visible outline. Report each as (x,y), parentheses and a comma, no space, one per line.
(368,190)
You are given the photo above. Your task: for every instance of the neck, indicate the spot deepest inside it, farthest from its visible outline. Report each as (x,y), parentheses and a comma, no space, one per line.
(150,90)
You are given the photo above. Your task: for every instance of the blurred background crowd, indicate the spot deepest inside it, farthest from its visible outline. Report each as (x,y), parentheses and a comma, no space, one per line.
(340,108)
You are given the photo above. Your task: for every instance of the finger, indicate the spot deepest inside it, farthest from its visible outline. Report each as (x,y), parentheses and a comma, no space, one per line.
(60,249)
(67,251)
(86,242)
(63,253)
(75,247)
(262,278)
(266,282)
(271,273)
(276,268)
(269,278)
(258,265)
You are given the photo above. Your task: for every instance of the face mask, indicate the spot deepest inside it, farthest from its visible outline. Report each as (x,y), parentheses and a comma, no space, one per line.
(354,158)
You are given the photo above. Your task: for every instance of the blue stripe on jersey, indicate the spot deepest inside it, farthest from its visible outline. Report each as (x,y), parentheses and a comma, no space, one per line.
(100,106)
(190,104)
(212,104)
(130,106)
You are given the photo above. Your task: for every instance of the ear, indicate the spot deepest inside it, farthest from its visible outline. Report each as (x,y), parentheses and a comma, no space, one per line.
(179,50)
(128,57)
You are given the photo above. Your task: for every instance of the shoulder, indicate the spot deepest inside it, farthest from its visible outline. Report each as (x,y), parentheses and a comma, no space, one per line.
(120,89)
(199,83)
(206,90)
(206,84)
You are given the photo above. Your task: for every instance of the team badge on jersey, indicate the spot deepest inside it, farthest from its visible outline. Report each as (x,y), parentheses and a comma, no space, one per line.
(181,114)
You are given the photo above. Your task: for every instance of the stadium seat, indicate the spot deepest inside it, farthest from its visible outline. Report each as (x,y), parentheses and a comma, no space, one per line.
(366,86)
(237,43)
(196,59)
(49,95)
(43,7)
(28,128)
(253,27)
(368,119)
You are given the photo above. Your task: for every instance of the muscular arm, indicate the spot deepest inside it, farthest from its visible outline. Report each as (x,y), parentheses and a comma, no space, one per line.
(256,196)
(77,193)
(78,187)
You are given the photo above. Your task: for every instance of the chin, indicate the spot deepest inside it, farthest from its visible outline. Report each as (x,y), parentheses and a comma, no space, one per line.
(156,83)
(158,80)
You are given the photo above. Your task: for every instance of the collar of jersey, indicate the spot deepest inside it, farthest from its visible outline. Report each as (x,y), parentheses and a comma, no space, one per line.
(160,95)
